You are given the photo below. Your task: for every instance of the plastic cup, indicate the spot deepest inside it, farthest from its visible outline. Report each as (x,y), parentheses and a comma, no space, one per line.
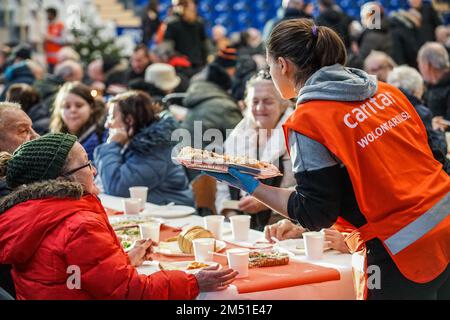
(240,226)
(141,193)
(313,245)
(238,261)
(214,224)
(131,206)
(203,249)
(150,230)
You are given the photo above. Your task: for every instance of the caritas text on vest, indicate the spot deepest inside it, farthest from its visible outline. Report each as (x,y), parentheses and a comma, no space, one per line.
(371,106)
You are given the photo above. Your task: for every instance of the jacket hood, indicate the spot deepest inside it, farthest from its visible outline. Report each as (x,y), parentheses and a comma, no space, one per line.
(158,133)
(200,91)
(48,86)
(19,72)
(28,213)
(338,83)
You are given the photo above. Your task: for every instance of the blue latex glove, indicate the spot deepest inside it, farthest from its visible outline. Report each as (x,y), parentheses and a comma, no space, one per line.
(236,179)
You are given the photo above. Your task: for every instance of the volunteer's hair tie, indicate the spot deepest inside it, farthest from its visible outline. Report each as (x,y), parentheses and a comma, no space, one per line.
(314,30)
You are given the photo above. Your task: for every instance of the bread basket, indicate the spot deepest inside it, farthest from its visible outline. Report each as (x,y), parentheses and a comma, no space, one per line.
(186,236)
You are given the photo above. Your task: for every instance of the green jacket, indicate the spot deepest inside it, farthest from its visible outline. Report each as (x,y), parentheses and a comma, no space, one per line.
(212,106)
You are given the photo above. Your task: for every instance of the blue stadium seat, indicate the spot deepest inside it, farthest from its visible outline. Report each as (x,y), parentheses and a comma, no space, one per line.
(241,14)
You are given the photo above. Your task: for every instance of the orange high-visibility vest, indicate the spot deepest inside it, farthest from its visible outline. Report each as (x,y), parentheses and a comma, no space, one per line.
(52,48)
(400,188)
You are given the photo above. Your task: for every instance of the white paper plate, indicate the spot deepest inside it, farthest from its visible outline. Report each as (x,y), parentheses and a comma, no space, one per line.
(133,217)
(297,246)
(182,266)
(169,212)
(171,249)
(248,244)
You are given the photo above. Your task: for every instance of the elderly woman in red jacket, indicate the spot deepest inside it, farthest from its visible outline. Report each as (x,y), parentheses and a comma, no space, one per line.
(56,235)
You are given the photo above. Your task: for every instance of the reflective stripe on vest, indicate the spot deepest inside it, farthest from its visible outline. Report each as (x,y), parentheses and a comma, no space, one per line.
(419,227)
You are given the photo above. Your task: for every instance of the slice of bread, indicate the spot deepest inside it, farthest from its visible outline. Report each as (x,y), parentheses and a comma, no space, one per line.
(258,259)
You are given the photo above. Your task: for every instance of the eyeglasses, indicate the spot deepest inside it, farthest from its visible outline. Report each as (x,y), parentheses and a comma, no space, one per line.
(88,164)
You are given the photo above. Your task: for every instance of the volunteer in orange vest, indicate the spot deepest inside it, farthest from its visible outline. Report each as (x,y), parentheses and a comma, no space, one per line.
(54,39)
(360,155)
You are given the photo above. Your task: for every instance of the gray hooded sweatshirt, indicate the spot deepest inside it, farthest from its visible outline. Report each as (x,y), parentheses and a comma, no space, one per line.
(333,83)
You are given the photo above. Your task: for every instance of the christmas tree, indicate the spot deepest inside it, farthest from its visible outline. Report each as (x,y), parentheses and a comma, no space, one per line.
(92,42)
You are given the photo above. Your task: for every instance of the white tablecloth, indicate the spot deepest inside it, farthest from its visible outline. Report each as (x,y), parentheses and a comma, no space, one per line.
(340,289)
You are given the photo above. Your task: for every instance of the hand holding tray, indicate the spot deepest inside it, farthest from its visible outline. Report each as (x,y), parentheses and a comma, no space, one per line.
(209,161)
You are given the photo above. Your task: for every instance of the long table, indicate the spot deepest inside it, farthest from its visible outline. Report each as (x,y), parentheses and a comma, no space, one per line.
(342,289)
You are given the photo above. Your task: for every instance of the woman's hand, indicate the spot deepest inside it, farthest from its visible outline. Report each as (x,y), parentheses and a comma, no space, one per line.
(249,204)
(209,279)
(119,135)
(438,123)
(140,252)
(337,240)
(282,230)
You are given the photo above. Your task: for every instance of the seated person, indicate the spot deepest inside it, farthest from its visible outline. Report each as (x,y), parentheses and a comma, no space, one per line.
(68,249)
(259,136)
(15,129)
(79,113)
(29,99)
(411,83)
(285,229)
(139,150)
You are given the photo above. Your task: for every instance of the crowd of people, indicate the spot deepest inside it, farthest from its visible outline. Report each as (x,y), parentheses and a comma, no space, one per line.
(70,130)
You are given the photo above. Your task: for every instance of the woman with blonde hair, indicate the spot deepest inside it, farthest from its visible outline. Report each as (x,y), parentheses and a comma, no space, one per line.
(259,136)
(79,112)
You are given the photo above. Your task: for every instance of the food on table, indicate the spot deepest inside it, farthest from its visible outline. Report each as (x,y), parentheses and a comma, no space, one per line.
(126,244)
(196,265)
(271,258)
(182,265)
(128,231)
(119,225)
(207,160)
(170,266)
(186,236)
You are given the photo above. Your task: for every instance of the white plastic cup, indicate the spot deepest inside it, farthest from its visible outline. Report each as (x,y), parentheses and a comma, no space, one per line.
(238,261)
(150,230)
(203,249)
(313,245)
(141,193)
(240,226)
(131,206)
(214,224)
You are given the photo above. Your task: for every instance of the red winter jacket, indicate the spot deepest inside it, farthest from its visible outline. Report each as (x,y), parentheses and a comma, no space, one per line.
(46,239)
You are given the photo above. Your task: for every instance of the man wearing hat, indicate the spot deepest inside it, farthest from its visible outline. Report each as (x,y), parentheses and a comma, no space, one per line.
(163,76)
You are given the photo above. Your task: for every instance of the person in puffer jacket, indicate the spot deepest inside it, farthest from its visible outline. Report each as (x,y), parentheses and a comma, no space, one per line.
(56,235)
(139,152)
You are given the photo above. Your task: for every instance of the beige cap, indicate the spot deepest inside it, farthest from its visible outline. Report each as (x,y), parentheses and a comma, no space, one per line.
(162,76)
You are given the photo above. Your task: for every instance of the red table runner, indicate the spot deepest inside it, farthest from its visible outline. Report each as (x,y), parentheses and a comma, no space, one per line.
(268,278)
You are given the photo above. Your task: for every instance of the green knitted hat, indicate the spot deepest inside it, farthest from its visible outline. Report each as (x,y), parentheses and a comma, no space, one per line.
(39,159)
